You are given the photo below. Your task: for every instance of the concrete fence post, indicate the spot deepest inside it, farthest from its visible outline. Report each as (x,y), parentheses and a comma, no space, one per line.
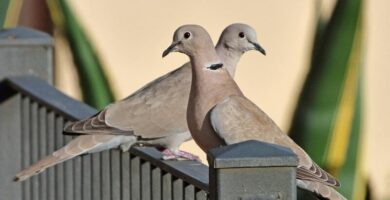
(25,51)
(252,170)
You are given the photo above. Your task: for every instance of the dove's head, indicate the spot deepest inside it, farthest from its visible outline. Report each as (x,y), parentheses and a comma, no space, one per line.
(190,40)
(240,38)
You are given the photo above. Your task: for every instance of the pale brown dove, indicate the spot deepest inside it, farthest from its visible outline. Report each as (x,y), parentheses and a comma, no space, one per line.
(219,114)
(153,115)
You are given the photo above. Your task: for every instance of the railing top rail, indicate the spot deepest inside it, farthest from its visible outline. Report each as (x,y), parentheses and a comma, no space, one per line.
(190,171)
(47,95)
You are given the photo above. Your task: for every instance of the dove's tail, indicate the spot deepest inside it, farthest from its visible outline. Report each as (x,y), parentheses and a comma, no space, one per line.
(80,145)
(322,191)
(40,166)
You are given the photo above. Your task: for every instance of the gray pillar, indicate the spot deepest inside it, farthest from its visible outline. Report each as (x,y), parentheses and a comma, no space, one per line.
(23,51)
(252,170)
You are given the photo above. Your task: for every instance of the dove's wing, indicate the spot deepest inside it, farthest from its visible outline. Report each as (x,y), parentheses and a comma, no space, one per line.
(156,110)
(237,119)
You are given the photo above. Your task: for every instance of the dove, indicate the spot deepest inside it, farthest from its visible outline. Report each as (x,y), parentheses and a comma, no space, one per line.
(154,115)
(219,114)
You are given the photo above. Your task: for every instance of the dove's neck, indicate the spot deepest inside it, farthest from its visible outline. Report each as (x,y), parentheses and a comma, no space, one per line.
(208,88)
(229,56)
(211,83)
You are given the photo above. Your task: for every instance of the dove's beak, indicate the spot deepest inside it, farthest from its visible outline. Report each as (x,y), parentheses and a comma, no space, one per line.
(171,48)
(258,47)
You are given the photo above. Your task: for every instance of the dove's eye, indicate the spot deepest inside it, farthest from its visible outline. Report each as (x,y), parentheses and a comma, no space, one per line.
(187,35)
(241,35)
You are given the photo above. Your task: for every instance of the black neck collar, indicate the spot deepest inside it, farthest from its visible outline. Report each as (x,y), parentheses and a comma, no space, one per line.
(215,66)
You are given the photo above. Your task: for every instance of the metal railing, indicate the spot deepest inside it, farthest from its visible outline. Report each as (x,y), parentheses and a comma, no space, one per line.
(107,175)
(267,173)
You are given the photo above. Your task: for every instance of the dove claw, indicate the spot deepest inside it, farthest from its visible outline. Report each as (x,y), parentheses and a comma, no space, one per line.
(179,155)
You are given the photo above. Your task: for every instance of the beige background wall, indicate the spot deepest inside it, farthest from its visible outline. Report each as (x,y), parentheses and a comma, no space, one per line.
(131,35)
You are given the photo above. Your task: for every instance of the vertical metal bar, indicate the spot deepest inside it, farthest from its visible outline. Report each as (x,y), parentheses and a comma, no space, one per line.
(201,195)
(42,151)
(106,179)
(76,175)
(146,191)
(189,192)
(34,148)
(10,143)
(77,186)
(125,175)
(26,145)
(59,169)
(96,176)
(115,174)
(156,184)
(50,149)
(87,177)
(135,178)
(178,189)
(68,173)
(167,186)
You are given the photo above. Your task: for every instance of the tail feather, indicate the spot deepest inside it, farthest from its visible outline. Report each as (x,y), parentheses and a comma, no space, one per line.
(80,145)
(320,190)
(41,165)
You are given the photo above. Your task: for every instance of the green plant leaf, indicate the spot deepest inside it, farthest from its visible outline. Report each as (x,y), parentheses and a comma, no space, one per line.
(3,11)
(326,121)
(95,86)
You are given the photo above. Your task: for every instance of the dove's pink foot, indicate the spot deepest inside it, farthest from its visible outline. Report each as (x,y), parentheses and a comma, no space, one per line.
(179,155)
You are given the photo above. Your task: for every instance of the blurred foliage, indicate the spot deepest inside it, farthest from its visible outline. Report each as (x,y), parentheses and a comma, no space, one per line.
(3,11)
(327,119)
(9,12)
(95,87)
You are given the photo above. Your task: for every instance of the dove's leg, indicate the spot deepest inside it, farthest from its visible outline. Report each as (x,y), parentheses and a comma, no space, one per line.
(170,146)
(126,146)
(129,141)
(178,155)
